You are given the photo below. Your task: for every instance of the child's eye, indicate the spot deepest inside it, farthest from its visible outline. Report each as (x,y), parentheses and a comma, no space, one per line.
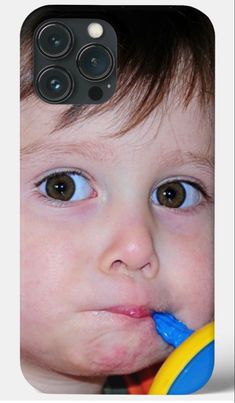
(66,186)
(176,194)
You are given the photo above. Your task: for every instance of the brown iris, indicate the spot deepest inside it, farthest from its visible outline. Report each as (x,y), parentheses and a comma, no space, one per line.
(171,194)
(60,186)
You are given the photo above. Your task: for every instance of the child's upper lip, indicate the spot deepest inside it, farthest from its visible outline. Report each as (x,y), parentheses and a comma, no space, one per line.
(134,311)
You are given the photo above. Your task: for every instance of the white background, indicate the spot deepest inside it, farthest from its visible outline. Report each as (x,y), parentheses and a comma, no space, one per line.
(12,384)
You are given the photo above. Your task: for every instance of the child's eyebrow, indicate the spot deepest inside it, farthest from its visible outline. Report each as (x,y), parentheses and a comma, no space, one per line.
(100,152)
(87,149)
(181,157)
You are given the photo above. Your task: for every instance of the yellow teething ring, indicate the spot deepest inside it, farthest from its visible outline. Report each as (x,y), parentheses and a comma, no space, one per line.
(179,358)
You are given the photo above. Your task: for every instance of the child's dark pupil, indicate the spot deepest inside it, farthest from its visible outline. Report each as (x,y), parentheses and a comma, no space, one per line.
(171,194)
(60,187)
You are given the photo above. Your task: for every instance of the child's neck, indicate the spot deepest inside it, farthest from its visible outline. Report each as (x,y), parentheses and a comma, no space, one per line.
(49,381)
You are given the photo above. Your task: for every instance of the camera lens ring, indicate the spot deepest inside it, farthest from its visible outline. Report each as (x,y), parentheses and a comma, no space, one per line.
(54,84)
(54,39)
(94,52)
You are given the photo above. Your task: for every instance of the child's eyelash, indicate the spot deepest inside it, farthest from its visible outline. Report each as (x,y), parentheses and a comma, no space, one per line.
(54,173)
(192,210)
(206,199)
(51,202)
(60,171)
(195,183)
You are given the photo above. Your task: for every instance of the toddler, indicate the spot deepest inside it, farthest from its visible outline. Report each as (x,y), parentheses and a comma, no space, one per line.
(117,208)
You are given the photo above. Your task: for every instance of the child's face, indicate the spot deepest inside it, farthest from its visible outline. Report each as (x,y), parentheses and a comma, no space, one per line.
(113,246)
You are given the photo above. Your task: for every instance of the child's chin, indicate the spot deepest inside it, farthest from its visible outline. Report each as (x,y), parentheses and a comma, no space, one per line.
(117,359)
(120,363)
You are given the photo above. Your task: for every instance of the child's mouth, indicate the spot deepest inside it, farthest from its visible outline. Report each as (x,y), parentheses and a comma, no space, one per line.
(133,311)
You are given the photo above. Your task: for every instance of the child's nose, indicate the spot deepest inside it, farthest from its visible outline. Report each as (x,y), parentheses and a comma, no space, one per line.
(131,249)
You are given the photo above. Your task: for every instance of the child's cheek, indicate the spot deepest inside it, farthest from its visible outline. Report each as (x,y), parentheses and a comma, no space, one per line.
(186,223)
(45,262)
(187,261)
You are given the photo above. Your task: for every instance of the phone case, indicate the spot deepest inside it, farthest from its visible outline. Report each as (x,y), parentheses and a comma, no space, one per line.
(117,289)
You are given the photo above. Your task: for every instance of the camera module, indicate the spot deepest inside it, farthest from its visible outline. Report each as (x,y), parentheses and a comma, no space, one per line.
(74,60)
(54,40)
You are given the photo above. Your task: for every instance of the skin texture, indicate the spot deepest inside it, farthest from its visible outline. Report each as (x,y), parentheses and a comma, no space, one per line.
(116,248)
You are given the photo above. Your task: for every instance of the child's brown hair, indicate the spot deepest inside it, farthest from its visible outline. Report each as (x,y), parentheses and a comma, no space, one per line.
(166,46)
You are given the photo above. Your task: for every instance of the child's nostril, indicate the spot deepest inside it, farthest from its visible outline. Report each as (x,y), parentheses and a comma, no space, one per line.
(146,266)
(117,264)
(149,270)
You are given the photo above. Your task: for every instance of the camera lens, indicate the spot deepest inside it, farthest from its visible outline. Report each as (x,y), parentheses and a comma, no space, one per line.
(54,40)
(54,84)
(95,62)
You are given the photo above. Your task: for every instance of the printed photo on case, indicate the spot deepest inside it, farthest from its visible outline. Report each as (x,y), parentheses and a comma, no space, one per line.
(117,222)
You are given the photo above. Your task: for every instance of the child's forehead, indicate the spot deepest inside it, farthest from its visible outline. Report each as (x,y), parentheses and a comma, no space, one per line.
(174,127)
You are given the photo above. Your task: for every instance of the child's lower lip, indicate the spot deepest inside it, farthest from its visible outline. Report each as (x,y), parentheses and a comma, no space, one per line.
(137,312)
